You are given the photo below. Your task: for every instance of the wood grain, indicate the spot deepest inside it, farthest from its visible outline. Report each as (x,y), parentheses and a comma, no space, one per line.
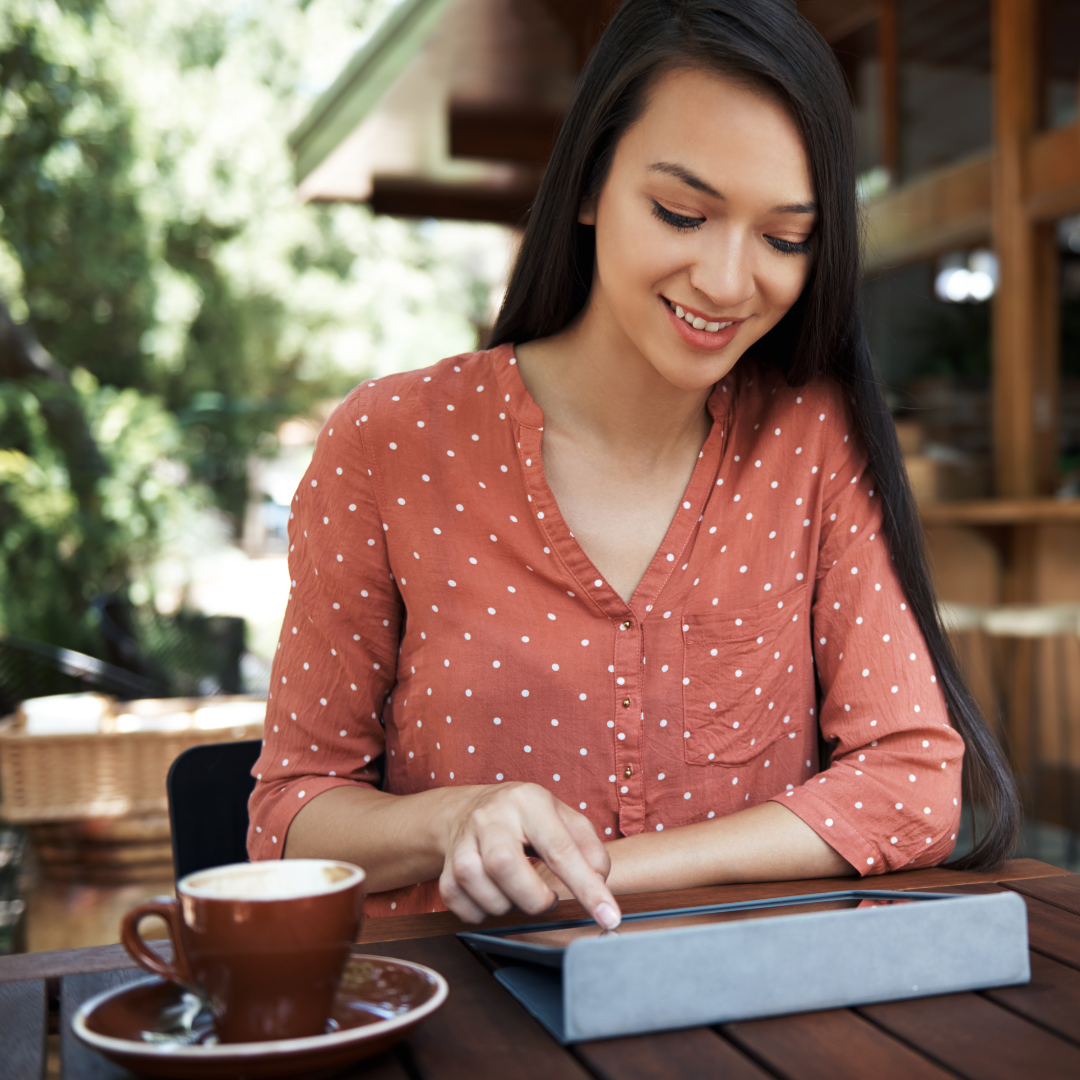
(1051,999)
(671,1055)
(22,1030)
(79,1062)
(55,965)
(833,1045)
(1016,367)
(1053,931)
(62,962)
(1062,892)
(432,924)
(481,1031)
(977,1038)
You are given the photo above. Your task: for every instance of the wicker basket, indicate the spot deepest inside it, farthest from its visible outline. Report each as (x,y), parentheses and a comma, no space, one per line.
(113,772)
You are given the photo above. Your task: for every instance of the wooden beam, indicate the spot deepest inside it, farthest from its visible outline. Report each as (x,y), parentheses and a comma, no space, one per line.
(521,134)
(1002,512)
(1016,343)
(405,196)
(947,209)
(1052,174)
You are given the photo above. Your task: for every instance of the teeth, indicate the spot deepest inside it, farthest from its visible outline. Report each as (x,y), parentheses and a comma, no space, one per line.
(697,322)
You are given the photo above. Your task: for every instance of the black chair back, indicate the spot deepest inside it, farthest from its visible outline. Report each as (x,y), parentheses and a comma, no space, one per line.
(208,788)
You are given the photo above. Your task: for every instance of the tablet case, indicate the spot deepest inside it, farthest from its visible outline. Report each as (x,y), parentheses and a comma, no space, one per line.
(709,974)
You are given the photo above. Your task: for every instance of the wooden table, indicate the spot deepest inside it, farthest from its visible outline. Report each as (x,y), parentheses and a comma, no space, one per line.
(481,1032)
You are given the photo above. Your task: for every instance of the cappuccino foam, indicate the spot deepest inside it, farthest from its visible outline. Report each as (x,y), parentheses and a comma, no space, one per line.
(284,880)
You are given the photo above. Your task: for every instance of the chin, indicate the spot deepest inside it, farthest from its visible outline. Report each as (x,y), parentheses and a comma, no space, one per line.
(697,371)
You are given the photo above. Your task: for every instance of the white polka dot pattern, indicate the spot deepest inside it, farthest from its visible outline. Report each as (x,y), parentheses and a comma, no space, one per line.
(517,661)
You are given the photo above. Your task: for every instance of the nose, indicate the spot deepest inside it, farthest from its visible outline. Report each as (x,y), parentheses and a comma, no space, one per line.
(724,271)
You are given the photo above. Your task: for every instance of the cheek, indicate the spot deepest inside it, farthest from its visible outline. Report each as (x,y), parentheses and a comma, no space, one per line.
(785,283)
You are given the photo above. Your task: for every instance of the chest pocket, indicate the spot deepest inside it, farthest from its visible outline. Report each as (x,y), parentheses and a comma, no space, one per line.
(735,685)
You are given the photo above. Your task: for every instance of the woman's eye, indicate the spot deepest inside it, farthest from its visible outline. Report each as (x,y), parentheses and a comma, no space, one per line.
(789,247)
(676,221)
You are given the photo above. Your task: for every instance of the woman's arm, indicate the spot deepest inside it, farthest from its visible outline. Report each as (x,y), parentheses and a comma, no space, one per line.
(472,838)
(764,843)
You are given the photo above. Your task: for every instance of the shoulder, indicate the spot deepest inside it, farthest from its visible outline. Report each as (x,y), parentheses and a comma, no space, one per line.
(815,410)
(414,399)
(424,395)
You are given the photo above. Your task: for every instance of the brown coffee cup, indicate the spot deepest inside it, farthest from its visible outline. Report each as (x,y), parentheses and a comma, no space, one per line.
(263,943)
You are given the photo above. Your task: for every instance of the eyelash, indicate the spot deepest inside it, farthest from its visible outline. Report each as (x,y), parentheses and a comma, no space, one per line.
(677,221)
(787,247)
(688,224)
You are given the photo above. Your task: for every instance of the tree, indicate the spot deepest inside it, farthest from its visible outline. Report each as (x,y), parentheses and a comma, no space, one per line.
(151,241)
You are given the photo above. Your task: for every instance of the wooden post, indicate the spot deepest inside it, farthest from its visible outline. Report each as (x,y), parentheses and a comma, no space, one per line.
(1017,338)
(1047,374)
(888,58)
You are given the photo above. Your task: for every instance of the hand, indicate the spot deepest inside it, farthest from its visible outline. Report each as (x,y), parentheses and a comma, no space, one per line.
(486,871)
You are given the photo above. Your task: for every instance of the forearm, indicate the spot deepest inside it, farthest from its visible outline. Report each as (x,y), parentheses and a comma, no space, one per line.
(399,840)
(473,839)
(765,843)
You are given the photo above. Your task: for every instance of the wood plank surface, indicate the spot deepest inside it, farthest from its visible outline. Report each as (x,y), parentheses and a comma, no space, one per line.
(1062,892)
(433,924)
(55,965)
(668,1055)
(834,1045)
(1051,999)
(79,1062)
(977,1038)
(22,1030)
(481,1032)
(1054,932)
(48,965)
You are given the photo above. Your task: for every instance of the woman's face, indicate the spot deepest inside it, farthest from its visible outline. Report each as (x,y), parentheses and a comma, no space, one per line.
(706,215)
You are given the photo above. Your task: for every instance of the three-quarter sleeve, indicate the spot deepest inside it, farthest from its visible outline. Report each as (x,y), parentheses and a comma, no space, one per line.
(890,798)
(337,656)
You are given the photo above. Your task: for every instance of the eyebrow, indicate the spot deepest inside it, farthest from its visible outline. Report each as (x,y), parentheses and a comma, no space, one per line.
(691,179)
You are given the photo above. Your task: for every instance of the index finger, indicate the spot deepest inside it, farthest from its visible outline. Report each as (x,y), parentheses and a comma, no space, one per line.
(556,845)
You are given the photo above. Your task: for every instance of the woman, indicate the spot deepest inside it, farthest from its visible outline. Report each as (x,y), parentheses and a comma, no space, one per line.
(636,599)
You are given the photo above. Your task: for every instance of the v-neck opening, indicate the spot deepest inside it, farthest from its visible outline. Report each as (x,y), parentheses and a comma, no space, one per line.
(553,524)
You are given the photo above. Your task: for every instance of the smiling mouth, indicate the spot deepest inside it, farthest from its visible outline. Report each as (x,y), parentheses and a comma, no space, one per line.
(698,321)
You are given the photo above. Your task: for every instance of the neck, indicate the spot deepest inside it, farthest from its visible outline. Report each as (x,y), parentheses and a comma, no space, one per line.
(595,386)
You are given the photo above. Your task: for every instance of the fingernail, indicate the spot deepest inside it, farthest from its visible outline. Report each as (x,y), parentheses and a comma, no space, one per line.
(607,916)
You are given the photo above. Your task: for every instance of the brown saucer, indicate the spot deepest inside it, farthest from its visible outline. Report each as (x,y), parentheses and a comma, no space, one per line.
(159,1029)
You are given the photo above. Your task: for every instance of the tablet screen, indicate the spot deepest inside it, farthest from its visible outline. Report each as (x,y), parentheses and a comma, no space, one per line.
(560,938)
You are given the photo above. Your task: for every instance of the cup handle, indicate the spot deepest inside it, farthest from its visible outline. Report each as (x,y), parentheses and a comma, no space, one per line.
(166,908)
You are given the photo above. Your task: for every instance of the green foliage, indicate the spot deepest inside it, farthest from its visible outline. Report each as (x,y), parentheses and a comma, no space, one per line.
(71,214)
(59,547)
(152,241)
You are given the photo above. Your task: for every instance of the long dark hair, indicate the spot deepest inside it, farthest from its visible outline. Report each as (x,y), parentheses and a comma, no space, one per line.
(768,44)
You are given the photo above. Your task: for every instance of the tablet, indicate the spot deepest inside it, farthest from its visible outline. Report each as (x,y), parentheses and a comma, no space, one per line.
(546,943)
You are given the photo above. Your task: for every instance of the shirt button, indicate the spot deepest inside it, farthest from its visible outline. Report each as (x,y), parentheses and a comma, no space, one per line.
(629,771)
(626,625)
(626,703)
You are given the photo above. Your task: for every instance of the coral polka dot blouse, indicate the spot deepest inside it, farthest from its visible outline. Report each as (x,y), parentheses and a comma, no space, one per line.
(443,614)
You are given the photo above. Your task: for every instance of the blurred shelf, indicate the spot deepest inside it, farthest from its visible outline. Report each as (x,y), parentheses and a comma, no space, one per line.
(1001,512)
